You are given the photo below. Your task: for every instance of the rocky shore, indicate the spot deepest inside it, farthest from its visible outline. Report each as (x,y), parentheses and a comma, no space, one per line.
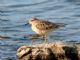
(49,51)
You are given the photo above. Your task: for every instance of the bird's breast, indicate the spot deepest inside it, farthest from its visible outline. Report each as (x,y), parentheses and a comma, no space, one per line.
(38,31)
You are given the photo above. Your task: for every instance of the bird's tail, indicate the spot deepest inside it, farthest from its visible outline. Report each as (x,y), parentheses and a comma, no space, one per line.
(61,24)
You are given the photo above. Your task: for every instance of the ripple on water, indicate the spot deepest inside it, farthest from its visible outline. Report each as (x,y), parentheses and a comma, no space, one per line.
(14,15)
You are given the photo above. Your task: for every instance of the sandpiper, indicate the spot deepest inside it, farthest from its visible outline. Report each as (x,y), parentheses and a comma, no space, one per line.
(43,27)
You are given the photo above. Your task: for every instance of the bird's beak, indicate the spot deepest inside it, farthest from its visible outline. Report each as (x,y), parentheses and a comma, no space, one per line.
(27,23)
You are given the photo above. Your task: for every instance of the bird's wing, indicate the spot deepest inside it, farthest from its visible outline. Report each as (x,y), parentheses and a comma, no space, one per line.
(45,25)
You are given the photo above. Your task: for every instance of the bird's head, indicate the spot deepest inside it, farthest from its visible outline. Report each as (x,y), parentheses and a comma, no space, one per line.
(32,20)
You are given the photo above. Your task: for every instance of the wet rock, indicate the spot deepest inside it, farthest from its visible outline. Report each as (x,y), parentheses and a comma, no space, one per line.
(49,51)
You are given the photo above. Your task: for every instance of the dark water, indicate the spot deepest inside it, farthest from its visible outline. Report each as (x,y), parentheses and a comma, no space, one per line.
(15,13)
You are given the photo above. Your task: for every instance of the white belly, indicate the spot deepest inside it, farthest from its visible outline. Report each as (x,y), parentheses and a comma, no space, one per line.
(40,31)
(35,29)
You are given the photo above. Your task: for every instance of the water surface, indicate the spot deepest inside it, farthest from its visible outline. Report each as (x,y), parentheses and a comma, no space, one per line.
(14,15)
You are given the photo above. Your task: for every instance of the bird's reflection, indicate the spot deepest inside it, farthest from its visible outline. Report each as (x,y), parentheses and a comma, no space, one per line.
(37,37)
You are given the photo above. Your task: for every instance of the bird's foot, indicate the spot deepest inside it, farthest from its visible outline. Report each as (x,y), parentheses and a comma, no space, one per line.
(46,41)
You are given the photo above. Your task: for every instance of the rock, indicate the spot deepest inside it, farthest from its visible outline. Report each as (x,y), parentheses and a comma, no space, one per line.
(49,51)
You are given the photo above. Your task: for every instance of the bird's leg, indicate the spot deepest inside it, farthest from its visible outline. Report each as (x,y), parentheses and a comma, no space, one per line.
(46,37)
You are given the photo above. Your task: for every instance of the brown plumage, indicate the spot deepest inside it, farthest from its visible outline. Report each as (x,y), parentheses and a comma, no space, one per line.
(42,27)
(45,25)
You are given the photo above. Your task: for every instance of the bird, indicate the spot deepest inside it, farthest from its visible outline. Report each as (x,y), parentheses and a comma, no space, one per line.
(43,27)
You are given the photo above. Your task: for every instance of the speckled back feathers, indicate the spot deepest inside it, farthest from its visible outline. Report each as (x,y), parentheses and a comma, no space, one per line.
(43,25)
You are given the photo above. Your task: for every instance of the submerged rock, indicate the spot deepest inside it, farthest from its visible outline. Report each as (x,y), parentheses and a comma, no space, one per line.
(49,51)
